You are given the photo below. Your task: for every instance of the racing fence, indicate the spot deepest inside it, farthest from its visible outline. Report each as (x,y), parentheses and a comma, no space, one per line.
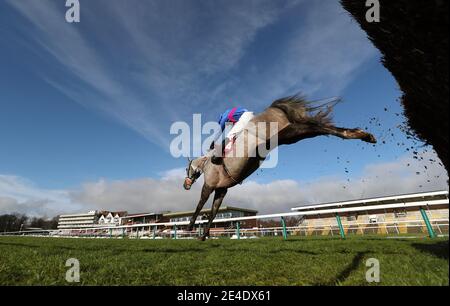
(174,230)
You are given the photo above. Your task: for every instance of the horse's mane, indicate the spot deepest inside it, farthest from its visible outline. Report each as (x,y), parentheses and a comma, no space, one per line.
(299,110)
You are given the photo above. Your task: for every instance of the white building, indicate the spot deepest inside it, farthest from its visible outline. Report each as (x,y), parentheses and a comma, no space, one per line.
(90,219)
(110,218)
(83,220)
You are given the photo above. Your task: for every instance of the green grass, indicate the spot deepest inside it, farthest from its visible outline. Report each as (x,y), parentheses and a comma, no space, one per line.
(297,261)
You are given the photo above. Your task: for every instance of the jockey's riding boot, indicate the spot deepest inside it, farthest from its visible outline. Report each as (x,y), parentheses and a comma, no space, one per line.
(212,149)
(217,160)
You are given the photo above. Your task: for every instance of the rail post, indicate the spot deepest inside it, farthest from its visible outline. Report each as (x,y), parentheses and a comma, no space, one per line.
(154,232)
(110,233)
(123,233)
(238,230)
(283,222)
(137,232)
(431,232)
(175,231)
(341,228)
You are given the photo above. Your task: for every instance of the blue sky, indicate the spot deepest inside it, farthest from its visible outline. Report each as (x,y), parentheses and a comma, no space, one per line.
(91,104)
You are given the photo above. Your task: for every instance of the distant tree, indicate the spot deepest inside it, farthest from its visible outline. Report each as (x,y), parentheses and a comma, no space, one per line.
(53,223)
(44,223)
(12,222)
(293,221)
(36,222)
(16,222)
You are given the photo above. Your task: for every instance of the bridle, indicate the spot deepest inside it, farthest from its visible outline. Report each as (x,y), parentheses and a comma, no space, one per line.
(190,179)
(189,167)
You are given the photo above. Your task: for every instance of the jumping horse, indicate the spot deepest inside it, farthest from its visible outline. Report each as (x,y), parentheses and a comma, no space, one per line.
(295,119)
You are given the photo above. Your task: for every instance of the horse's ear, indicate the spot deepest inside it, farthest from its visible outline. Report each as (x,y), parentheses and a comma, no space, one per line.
(189,159)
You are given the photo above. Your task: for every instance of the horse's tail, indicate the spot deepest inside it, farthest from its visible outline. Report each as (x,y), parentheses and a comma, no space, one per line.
(299,110)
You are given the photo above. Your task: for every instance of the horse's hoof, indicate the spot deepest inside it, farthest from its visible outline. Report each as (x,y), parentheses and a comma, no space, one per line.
(370,139)
(201,238)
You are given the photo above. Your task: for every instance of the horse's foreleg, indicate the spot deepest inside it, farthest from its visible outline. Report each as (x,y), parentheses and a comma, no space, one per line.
(218,199)
(206,192)
(349,133)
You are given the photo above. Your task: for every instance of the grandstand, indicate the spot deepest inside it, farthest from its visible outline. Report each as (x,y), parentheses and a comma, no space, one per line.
(90,219)
(415,214)
(401,214)
(224,213)
(82,220)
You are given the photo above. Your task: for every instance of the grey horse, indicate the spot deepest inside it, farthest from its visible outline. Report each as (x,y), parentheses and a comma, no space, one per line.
(295,119)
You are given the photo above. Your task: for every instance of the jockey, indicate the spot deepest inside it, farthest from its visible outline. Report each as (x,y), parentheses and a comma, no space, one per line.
(237,117)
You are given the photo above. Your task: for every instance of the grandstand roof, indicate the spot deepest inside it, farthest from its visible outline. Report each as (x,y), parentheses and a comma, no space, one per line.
(405,198)
(141,215)
(91,213)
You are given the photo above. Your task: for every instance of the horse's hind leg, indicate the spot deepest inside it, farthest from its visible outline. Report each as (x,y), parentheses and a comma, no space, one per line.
(299,131)
(218,199)
(206,192)
(349,133)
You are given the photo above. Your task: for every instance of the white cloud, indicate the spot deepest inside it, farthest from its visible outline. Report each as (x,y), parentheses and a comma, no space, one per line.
(80,59)
(141,195)
(320,57)
(176,173)
(20,195)
(327,52)
(30,208)
(381,179)
(150,63)
(277,196)
(406,175)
